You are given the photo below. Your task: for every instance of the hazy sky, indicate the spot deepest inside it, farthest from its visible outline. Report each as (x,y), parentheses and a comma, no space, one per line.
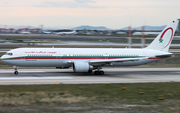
(113,14)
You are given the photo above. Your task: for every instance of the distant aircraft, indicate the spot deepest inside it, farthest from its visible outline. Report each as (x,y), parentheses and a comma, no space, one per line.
(25,32)
(65,32)
(46,32)
(89,59)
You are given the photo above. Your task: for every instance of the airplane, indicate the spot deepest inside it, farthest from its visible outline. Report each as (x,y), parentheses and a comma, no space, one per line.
(46,32)
(25,32)
(93,59)
(65,32)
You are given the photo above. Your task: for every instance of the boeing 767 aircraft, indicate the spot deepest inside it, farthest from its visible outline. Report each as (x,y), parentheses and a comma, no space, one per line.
(89,59)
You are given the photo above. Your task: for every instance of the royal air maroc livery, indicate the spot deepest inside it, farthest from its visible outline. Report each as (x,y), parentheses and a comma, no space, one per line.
(92,59)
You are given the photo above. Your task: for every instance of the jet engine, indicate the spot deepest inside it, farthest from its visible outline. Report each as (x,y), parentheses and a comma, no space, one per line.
(82,67)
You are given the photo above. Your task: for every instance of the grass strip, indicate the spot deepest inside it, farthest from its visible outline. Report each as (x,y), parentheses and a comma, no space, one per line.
(92,97)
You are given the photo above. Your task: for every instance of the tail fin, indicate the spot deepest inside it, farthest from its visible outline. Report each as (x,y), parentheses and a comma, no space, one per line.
(163,41)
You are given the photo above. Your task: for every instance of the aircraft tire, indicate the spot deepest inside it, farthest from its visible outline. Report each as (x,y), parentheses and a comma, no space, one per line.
(16,72)
(96,72)
(101,72)
(90,71)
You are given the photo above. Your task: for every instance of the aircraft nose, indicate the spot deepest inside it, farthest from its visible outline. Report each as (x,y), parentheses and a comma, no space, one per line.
(2,57)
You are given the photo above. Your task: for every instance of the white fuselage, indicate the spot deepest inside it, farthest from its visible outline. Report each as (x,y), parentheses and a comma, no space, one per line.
(58,57)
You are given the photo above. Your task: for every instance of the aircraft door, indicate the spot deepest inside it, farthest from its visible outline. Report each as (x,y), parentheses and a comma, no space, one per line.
(58,56)
(106,56)
(23,56)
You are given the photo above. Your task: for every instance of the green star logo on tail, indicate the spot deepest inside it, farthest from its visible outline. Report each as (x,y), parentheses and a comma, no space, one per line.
(161,40)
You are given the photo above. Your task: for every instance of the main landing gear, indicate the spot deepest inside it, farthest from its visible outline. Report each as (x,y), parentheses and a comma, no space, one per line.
(15,70)
(99,72)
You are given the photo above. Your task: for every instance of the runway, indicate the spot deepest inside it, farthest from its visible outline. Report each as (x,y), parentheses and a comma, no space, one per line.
(67,76)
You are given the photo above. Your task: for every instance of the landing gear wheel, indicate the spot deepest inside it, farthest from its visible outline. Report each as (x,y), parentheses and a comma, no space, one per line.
(15,68)
(90,71)
(16,72)
(96,72)
(101,72)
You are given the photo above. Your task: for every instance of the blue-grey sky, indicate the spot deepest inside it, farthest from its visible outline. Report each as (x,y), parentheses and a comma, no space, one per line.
(113,14)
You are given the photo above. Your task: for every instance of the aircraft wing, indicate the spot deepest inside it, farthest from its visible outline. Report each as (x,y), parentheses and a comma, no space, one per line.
(107,61)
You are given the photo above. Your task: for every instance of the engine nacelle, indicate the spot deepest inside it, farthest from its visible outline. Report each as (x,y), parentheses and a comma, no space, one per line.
(81,67)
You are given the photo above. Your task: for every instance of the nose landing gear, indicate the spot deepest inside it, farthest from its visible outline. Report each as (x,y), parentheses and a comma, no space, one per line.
(15,68)
(16,72)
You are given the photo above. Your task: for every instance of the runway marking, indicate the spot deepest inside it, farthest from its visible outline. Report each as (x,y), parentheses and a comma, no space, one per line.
(34,78)
(56,82)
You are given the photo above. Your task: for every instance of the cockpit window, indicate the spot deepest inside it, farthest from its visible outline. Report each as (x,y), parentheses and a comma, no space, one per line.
(9,54)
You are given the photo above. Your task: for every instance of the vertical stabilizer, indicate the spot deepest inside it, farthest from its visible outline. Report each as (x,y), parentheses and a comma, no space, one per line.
(163,41)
